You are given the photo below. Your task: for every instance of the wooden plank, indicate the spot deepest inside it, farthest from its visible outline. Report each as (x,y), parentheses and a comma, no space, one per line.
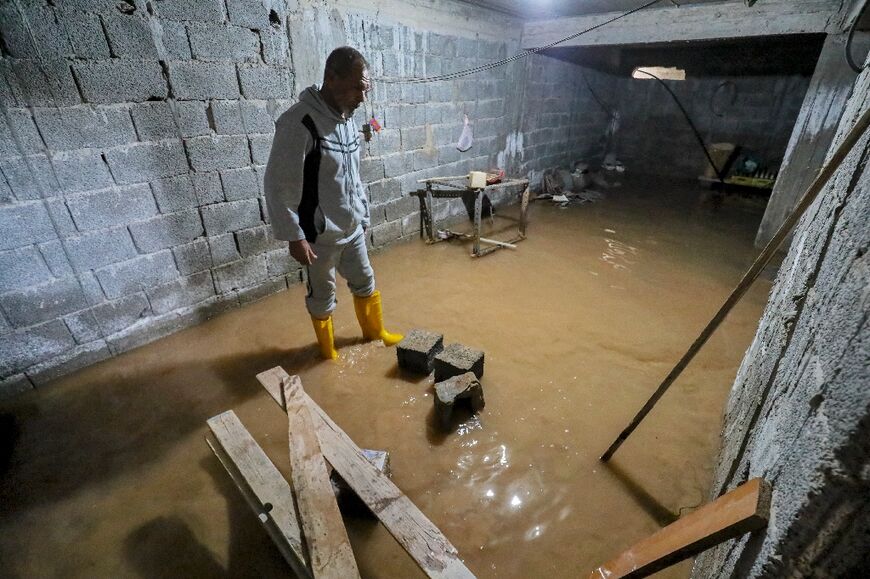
(423,541)
(261,484)
(695,22)
(328,546)
(740,511)
(813,132)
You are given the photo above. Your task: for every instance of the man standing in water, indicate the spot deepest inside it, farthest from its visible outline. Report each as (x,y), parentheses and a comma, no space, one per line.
(316,199)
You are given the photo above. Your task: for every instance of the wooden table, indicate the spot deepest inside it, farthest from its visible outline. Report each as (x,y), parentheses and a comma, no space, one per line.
(456,187)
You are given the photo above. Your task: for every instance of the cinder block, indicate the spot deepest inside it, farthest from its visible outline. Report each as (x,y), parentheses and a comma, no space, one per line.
(85,126)
(200,10)
(174,193)
(192,257)
(85,33)
(256,117)
(121,80)
(265,82)
(41,303)
(120,279)
(203,80)
(55,258)
(182,292)
(254,14)
(218,152)
(37,34)
(83,326)
(39,83)
(456,390)
(416,352)
(279,262)
(122,313)
(129,36)
(227,117)
(207,187)
(397,164)
(147,161)
(257,240)
(93,292)
(240,274)
(223,249)
(401,207)
(261,146)
(67,362)
(154,121)
(175,43)
(276,46)
(110,207)
(231,216)
(217,42)
(457,359)
(166,230)
(24,224)
(18,134)
(23,348)
(22,267)
(192,118)
(239,184)
(386,232)
(384,191)
(81,170)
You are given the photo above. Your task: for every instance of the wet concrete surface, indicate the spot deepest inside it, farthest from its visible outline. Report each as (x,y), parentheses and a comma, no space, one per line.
(107,473)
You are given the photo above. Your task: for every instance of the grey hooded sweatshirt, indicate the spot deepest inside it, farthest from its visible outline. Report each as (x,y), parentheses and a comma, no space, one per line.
(312,182)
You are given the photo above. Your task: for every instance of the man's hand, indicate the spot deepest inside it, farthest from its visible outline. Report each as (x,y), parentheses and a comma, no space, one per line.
(302,252)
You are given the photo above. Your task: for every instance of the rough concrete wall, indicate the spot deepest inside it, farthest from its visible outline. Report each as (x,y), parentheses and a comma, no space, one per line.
(799,412)
(562,123)
(135,134)
(755,112)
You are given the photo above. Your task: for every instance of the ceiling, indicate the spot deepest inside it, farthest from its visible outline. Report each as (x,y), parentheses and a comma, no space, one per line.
(541,9)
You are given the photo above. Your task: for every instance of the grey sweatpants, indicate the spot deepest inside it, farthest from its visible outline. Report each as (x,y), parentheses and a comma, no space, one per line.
(351,259)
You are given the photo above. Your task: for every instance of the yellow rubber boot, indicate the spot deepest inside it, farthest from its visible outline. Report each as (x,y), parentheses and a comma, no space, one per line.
(325,337)
(370,315)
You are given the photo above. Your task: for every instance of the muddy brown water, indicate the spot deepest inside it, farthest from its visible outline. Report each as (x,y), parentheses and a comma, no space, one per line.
(110,475)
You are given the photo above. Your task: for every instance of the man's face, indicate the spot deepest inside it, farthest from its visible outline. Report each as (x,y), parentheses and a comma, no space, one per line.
(351,91)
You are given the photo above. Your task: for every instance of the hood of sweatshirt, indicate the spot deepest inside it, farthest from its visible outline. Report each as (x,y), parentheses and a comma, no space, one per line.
(311,96)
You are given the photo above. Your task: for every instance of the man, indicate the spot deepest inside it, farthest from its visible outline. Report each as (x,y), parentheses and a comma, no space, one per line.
(316,199)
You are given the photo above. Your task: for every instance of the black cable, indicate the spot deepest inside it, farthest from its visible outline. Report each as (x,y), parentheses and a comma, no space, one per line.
(601,104)
(848,49)
(519,55)
(719,174)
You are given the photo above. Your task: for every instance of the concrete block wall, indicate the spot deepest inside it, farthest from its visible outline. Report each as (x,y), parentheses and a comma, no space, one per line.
(755,112)
(134,136)
(799,412)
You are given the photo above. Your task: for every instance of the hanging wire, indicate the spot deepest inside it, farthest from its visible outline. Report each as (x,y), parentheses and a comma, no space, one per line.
(519,55)
(719,174)
(850,60)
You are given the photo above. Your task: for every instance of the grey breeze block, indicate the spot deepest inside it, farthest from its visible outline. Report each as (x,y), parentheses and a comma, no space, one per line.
(417,351)
(457,359)
(454,390)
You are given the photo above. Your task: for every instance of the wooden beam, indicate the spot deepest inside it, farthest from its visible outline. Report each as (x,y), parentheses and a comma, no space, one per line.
(740,511)
(695,22)
(423,541)
(328,546)
(261,484)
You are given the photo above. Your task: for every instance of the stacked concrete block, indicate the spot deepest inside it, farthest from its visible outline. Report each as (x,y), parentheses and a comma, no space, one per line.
(457,390)
(457,359)
(417,350)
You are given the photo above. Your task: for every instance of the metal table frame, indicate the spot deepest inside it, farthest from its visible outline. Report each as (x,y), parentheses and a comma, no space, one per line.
(455,191)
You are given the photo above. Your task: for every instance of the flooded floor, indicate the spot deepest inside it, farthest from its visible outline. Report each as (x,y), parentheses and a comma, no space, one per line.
(111,477)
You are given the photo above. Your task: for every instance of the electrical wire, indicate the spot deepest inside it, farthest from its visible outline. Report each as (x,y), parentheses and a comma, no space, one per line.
(698,136)
(850,60)
(519,55)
